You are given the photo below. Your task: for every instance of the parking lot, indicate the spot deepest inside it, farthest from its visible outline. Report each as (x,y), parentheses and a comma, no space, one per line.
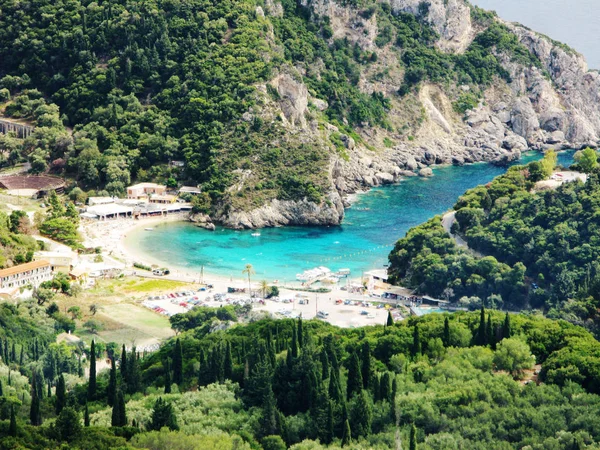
(347,312)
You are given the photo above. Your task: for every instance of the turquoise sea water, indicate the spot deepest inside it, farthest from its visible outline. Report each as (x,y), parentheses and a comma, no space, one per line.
(369,230)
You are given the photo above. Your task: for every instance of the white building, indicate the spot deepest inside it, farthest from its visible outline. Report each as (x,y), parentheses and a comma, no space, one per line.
(32,273)
(145,190)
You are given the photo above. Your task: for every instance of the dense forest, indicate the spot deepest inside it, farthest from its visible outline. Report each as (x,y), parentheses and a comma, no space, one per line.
(117,90)
(481,380)
(535,248)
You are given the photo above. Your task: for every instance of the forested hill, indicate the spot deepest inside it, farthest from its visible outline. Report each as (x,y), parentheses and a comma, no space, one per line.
(454,381)
(279,108)
(535,247)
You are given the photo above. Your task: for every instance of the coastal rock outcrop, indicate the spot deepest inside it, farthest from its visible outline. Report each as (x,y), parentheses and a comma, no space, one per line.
(287,212)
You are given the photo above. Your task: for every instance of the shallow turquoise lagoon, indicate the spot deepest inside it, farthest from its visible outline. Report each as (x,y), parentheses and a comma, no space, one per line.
(363,241)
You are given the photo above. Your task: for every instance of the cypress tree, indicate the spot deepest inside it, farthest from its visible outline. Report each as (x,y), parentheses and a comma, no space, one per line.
(393,411)
(481,333)
(133,372)
(385,387)
(366,364)
(416,347)
(506,331)
(9,379)
(86,416)
(228,362)
(346,436)
(111,389)
(390,319)
(35,416)
(1,389)
(355,382)
(119,415)
(124,365)
(328,432)
(21,356)
(13,353)
(335,390)
(49,389)
(446,332)
(361,415)
(489,331)
(79,367)
(12,428)
(324,365)
(177,363)
(2,352)
(91,394)
(300,333)
(294,343)
(61,395)
(168,380)
(413,438)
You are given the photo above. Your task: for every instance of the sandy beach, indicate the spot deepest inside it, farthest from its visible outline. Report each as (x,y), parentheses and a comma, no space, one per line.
(111,236)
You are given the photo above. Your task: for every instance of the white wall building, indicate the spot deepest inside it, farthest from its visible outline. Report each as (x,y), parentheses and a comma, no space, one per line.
(32,273)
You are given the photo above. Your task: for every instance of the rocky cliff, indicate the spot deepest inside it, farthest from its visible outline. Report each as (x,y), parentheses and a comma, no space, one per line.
(553,103)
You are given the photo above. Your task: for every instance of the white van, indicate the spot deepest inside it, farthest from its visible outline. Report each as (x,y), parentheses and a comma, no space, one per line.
(322,314)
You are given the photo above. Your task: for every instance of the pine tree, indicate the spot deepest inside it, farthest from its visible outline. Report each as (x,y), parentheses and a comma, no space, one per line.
(346,436)
(481,333)
(413,438)
(111,389)
(355,382)
(228,362)
(163,416)
(177,363)
(416,347)
(300,333)
(168,381)
(390,319)
(86,416)
(61,395)
(446,332)
(506,330)
(12,428)
(91,394)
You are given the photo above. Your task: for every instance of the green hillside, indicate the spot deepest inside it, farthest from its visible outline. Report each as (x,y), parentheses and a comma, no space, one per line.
(464,380)
(140,84)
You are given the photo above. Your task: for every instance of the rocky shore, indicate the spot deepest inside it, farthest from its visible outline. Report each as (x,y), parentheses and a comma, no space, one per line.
(555,105)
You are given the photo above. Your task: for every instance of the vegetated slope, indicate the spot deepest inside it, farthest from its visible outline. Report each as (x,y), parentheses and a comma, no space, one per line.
(285,383)
(280,108)
(542,248)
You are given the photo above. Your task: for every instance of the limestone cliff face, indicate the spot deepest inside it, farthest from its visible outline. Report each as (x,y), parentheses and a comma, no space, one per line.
(557,105)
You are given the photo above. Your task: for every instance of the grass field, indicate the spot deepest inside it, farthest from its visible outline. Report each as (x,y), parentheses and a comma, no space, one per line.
(122,317)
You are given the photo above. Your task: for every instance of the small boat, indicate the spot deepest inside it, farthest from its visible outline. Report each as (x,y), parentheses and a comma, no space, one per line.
(149,229)
(255,234)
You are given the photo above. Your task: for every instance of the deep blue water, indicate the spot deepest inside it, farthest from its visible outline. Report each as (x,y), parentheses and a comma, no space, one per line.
(363,241)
